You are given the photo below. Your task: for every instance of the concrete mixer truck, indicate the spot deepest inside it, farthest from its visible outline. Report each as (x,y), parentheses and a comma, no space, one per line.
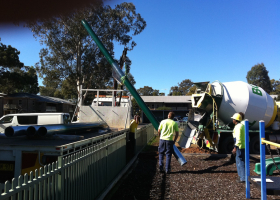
(213,104)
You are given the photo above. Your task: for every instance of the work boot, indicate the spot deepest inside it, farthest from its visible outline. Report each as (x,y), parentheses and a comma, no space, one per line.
(239,181)
(161,169)
(232,158)
(168,171)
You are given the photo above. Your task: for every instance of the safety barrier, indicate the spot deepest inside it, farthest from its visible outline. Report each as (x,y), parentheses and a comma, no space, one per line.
(262,158)
(82,175)
(143,136)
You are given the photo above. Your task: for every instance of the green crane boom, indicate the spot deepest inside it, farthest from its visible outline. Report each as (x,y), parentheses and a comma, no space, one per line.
(120,76)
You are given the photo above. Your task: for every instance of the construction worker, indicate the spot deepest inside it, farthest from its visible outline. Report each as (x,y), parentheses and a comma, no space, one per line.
(130,137)
(239,147)
(166,130)
(232,157)
(134,123)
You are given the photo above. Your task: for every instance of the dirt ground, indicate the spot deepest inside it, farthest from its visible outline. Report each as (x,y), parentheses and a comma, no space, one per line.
(205,176)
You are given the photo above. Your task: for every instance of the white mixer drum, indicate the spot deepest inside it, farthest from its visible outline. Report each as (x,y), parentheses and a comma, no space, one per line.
(253,101)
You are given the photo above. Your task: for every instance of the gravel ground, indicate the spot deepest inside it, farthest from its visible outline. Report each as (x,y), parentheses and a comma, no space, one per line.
(205,176)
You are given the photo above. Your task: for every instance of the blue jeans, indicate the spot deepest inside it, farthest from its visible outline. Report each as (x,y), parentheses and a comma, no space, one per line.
(165,146)
(240,163)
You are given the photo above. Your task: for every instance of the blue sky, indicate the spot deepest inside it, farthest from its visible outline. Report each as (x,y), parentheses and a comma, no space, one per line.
(201,40)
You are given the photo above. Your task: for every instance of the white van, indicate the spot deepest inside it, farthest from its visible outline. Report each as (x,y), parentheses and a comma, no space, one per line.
(108,101)
(23,119)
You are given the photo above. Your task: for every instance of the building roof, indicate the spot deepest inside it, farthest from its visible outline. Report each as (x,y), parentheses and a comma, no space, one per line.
(167,99)
(39,98)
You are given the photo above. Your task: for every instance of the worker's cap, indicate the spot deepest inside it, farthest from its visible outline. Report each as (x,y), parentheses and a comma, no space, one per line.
(237,117)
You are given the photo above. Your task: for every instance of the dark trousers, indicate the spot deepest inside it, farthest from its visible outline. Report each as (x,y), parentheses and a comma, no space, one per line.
(130,146)
(240,163)
(165,146)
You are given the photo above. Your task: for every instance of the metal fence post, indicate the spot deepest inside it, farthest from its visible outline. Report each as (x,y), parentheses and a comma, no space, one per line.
(247,159)
(262,160)
(61,178)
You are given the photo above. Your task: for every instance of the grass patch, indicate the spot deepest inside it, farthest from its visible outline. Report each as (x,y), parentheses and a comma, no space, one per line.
(153,140)
(152,145)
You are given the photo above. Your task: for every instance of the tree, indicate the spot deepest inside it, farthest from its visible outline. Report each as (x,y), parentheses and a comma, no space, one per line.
(191,90)
(51,84)
(185,85)
(174,91)
(275,86)
(258,75)
(147,91)
(29,82)
(9,58)
(183,88)
(72,55)
(14,76)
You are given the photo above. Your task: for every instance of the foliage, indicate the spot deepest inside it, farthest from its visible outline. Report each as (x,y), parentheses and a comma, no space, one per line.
(14,76)
(191,90)
(258,75)
(163,108)
(147,91)
(174,91)
(183,88)
(16,81)
(71,54)
(9,57)
(135,107)
(275,86)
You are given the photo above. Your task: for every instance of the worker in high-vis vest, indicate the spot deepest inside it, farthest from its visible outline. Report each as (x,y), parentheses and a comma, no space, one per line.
(130,137)
(166,130)
(239,146)
(232,156)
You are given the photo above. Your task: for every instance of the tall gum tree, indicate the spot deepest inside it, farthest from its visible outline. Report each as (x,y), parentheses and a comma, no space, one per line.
(183,88)
(258,75)
(70,51)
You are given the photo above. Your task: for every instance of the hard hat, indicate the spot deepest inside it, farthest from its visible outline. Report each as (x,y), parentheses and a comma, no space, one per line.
(237,117)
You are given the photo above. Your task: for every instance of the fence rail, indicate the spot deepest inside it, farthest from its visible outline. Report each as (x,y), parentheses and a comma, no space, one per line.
(82,175)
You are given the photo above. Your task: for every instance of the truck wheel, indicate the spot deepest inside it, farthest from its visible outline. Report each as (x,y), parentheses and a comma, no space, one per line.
(255,145)
(227,145)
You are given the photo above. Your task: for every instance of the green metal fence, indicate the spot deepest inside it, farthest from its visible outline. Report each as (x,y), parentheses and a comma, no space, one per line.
(143,136)
(82,175)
